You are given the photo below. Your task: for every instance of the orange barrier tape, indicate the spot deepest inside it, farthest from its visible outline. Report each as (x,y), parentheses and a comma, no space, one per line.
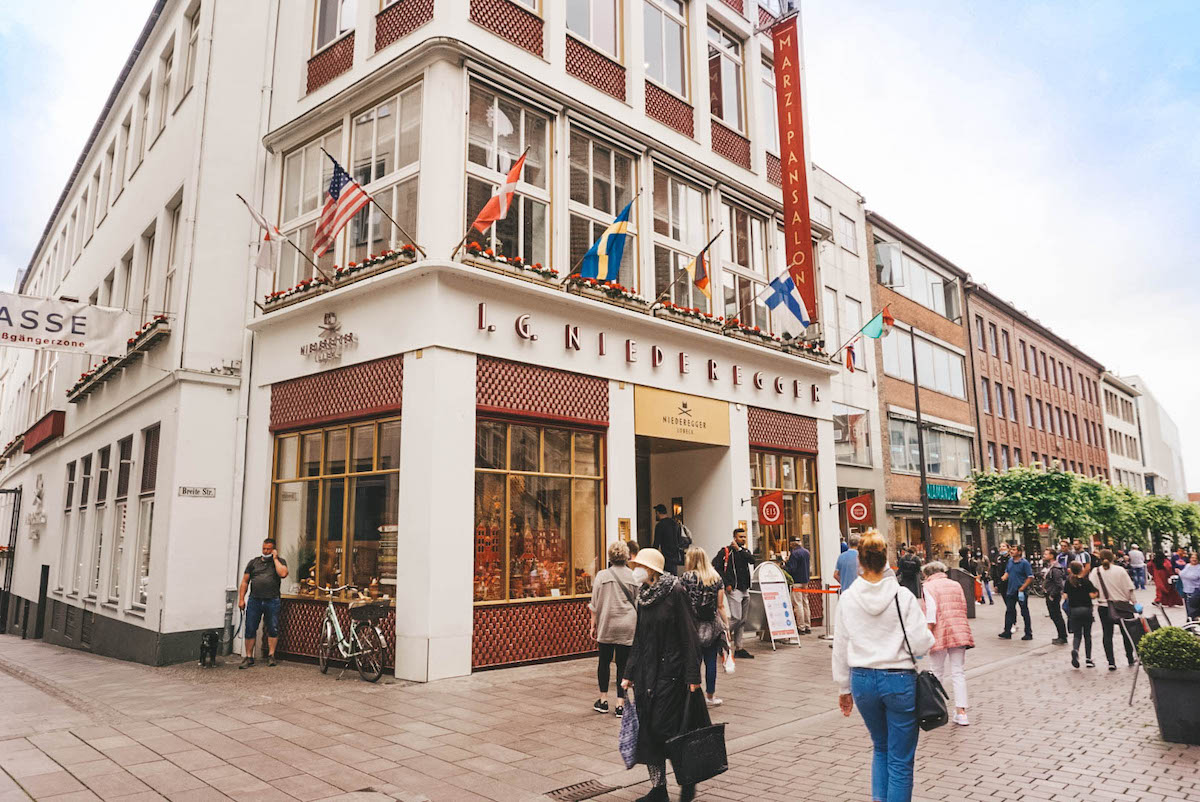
(812,590)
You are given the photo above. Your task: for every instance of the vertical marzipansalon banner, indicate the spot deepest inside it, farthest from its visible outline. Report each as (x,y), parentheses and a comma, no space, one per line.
(797,229)
(49,325)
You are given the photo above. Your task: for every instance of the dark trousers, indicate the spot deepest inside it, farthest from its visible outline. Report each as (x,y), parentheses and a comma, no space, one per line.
(1054,607)
(607,652)
(1109,623)
(709,656)
(1081,625)
(1010,614)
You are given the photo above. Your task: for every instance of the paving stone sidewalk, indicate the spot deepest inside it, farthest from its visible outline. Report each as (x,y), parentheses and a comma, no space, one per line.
(77,726)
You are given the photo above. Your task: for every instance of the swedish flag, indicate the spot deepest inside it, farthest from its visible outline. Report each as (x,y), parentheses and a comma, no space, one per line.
(603,259)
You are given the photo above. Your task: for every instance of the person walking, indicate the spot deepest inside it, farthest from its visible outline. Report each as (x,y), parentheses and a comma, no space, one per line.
(1082,555)
(1063,557)
(1018,576)
(668,539)
(1179,559)
(1115,585)
(1189,585)
(946,612)
(983,572)
(707,595)
(999,566)
(663,667)
(1137,566)
(845,570)
(262,577)
(1164,590)
(614,619)
(733,564)
(1080,591)
(799,567)
(873,669)
(908,569)
(1052,582)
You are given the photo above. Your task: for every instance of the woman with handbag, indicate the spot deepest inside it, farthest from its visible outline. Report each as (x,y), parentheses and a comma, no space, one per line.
(1116,602)
(879,632)
(946,612)
(614,617)
(663,667)
(707,594)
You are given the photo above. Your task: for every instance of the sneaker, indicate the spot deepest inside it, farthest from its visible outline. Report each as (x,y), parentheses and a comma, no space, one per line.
(1089,663)
(1112,666)
(714,701)
(271,661)
(601,706)
(246,662)
(1075,659)
(619,711)
(743,654)
(1027,636)
(1005,635)
(961,719)
(1059,641)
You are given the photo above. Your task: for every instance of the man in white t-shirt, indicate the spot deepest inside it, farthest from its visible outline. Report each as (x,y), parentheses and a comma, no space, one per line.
(1137,567)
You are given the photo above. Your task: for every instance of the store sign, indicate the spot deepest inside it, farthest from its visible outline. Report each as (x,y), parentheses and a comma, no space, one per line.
(676,416)
(943,492)
(860,510)
(332,342)
(797,227)
(770,508)
(575,339)
(197,492)
(49,325)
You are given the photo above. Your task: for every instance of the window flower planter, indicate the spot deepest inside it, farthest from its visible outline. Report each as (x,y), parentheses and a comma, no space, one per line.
(147,336)
(609,292)
(752,334)
(809,349)
(342,276)
(689,316)
(487,259)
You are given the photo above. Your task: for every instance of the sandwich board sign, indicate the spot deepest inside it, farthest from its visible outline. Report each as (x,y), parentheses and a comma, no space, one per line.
(777,602)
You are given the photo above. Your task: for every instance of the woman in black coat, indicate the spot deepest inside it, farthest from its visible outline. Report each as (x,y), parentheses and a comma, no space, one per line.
(663,667)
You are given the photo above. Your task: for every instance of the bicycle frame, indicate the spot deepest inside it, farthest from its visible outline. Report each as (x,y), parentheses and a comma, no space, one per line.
(348,647)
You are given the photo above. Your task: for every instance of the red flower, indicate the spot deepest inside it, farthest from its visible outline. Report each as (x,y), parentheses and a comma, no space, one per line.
(489,252)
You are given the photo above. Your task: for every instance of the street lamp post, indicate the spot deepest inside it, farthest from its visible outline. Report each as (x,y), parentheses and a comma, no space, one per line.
(925,534)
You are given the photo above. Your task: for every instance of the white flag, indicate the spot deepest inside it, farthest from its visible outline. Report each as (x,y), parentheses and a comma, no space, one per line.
(268,251)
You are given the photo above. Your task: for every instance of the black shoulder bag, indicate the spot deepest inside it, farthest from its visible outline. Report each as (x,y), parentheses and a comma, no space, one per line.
(931,696)
(1117,607)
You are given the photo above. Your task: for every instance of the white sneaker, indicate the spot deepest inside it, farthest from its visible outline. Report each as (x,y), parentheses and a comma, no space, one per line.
(961,719)
(714,701)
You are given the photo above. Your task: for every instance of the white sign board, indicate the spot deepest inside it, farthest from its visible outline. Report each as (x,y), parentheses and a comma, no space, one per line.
(46,324)
(777,602)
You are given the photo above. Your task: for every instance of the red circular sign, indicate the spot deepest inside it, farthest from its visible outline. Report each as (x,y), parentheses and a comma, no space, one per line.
(772,512)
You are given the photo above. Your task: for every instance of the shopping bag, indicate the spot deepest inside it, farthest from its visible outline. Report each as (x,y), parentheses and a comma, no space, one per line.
(698,752)
(978,592)
(627,740)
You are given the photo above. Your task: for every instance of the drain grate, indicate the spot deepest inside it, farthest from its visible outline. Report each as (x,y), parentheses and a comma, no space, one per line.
(581,791)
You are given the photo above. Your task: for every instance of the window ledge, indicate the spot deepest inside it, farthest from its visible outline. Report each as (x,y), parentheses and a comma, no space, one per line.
(136,167)
(136,612)
(117,197)
(669,91)
(157,136)
(115,606)
(186,94)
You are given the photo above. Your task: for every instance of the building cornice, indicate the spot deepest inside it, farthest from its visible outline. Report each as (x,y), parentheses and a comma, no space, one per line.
(878,221)
(976,289)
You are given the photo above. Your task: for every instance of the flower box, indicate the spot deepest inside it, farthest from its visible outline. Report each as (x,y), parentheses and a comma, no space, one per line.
(146,337)
(753,335)
(686,316)
(608,292)
(809,349)
(340,277)
(517,268)
(309,288)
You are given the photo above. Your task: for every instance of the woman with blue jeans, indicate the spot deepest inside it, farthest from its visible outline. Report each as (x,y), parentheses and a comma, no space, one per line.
(707,595)
(873,670)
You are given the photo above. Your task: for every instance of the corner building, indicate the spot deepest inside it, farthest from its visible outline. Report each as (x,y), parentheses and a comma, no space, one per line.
(468,434)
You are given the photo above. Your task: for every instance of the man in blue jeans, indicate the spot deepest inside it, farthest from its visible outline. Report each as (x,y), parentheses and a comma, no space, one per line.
(1018,576)
(262,577)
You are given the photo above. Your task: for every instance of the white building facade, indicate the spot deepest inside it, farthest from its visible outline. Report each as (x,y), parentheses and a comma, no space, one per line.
(1122,434)
(1162,449)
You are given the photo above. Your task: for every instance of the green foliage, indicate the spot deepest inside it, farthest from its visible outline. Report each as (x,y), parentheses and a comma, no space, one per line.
(1189,522)
(1172,648)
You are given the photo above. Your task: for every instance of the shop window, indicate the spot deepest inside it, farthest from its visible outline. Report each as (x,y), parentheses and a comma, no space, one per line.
(116,559)
(538,511)
(851,434)
(335,500)
(666,44)
(149,484)
(499,131)
(725,77)
(743,250)
(602,183)
(306,175)
(795,475)
(680,231)
(386,149)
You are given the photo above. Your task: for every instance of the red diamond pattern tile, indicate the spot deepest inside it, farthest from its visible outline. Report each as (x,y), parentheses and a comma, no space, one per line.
(507,19)
(400,19)
(782,430)
(595,68)
(505,634)
(669,110)
(300,628)
(330,63)
(731,145)
(514,388)
(774,170)
(357,391)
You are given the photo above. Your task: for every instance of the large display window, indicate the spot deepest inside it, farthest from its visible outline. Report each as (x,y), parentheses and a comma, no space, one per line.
(538,510)
(334,499)
(795,475)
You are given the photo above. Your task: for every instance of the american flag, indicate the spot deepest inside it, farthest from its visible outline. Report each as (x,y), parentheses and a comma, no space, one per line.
(344,200)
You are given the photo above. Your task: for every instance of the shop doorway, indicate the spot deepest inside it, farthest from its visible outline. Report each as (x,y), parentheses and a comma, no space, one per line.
(692,480)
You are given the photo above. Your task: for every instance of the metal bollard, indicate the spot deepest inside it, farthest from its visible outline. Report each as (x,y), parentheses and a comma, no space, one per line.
(830,611)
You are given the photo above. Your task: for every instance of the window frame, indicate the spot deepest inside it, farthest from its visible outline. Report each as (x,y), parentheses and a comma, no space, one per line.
(596,218)
(736,275)
(166,69)
(146,500)
(680,251)
(617,52)
(847,411)
(729,48)
(685,49)
(192,28)
(764,535)
(174,224)
(340,33)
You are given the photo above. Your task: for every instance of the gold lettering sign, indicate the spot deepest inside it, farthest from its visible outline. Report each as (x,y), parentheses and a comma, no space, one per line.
(676,416)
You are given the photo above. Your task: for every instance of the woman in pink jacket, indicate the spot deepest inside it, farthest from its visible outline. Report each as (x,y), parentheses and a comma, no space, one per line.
(946,612)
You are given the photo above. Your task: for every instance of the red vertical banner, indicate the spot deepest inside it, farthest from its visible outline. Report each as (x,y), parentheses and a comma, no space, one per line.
(797,228)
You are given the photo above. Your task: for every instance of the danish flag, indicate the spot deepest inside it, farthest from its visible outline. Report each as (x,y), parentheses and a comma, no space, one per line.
(497,207)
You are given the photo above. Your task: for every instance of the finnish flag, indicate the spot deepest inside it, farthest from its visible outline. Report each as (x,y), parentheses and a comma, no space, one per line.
(784,293)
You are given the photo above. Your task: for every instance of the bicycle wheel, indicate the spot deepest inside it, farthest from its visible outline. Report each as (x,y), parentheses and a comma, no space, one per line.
(325,646)
(369,657)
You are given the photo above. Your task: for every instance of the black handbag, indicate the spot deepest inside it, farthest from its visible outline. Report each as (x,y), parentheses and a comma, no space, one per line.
(931,696)
(1117,609)
(697,754)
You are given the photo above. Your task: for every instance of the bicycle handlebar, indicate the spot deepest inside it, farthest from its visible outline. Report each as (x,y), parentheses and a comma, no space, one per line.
(332,591)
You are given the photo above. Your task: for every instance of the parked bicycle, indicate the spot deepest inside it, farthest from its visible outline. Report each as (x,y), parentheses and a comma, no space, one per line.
(364,643)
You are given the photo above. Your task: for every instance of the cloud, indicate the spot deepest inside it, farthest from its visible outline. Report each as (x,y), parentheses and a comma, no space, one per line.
(1040,152)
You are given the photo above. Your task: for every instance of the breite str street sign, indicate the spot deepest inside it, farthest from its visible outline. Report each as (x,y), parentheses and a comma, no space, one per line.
(797,227)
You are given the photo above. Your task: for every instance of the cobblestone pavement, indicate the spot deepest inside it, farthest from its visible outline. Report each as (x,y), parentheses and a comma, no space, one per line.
(76,726)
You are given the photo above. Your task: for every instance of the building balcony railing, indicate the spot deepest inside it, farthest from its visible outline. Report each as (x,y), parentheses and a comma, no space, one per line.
(145,338)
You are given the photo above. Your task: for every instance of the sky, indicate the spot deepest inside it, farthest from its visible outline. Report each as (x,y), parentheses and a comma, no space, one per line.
(1051,149)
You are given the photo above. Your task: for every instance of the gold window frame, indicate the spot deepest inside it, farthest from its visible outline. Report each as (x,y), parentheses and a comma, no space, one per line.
(756,490)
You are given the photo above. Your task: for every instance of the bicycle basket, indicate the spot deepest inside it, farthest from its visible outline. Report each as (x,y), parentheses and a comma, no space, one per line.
(369,611)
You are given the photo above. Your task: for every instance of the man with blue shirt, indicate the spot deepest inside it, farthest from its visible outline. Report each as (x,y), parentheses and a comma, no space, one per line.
(1018,576)
(846,569)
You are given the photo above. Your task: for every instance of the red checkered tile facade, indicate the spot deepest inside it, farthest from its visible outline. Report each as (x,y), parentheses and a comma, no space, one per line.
(357,391)
(595,68)
(509,20)
(781,430)
(669,110)
(522,633)
(736,5)
(765,17)
(514,388)
(300,628)
(774,170)
(400,19)
(731,145)
(330,62)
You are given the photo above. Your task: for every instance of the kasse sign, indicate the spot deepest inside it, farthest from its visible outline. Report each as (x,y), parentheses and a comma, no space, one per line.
(46,324)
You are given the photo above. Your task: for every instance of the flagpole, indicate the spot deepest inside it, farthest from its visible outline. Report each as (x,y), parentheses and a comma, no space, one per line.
(315,266)
(683,273)
(382,210)
(585,253)
(853,336)
(745,306)
(472,224)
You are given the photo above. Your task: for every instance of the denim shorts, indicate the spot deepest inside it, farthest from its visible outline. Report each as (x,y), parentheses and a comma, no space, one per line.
(258,609)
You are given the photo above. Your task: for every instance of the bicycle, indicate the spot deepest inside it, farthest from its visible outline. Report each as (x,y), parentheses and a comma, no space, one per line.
(365,642)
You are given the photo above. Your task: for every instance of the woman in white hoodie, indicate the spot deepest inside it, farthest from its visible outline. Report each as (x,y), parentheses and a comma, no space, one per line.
(872,666)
